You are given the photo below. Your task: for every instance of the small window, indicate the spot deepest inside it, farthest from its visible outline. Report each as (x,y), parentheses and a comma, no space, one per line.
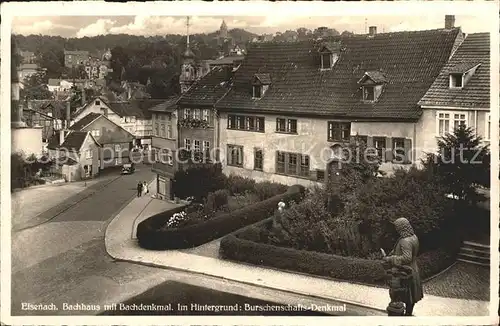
(292,163)
(97,102)
(240,122)
(95,132)
(205,115)
(292,126)
(118,147)
(399,152)
(339,131)
(169,131)
(258,160)
(88,154)
(206,148)
(163,131)
(249,123)
(235,155)
(187,144)
(197,145)
(280,162)
(281,125)
(456,80)
(257,91)
(231,121)
(157,129)
(379,145)
(197,114)
(304,165)
(260,124)
(368,93)
(187,113)
(326,61)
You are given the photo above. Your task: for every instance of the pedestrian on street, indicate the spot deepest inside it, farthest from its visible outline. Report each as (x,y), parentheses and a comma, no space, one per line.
(145,189)
(139,189)
(405,255)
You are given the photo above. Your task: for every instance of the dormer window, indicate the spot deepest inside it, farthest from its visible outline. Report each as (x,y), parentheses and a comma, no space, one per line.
(456,80)
(461,73)
(372,84)
(260,84)
(329,54)
(369,93)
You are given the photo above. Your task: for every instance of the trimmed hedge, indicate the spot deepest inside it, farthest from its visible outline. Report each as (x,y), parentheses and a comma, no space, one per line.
(236,247)
(151,236)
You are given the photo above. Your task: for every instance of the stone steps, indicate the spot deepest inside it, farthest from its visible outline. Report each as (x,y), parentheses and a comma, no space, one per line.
(474,253)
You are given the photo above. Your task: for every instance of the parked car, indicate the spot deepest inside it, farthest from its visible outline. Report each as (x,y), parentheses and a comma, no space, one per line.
(128,168)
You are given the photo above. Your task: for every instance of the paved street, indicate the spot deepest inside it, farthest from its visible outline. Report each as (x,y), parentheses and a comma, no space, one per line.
(64,260)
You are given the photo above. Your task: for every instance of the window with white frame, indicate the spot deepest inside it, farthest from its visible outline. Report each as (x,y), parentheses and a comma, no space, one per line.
(118,147)
(162,131)
(96,132)
(169,131)
(88,154)
(187,113)
(197,145)
(197,114)
(456,80)
(206,148)
(448,120)
(205,114)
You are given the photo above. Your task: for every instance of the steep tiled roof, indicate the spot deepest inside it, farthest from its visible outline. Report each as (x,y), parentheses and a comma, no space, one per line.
(55,107)
(167,106)
(265,79)
(409,60)
(376,76)
(86,120)
(209,89)
(137,108)
(72,142)
(476,92)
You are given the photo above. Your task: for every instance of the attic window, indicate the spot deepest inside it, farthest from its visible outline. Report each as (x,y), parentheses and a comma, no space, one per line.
(372,84)
(456,80)
(369,93)
(260,84)
(329,55)
(97,102)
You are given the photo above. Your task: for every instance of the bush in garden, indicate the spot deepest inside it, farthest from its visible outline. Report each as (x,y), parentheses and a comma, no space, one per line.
(239,185)
(198,181)
(217,200)
(269,189)
(461,163)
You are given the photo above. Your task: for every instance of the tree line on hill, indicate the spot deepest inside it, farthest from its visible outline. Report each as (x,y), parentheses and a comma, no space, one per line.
(153,60)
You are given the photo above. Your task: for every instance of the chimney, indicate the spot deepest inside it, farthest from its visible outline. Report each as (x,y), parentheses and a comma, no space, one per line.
(68,114)
(372,30)
(449,21)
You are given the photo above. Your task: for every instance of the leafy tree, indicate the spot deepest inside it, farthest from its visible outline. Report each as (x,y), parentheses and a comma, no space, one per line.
(462,163)
(35,88)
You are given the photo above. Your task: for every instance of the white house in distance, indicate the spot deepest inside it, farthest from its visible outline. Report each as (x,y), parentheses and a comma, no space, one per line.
(59,85)
(133,116)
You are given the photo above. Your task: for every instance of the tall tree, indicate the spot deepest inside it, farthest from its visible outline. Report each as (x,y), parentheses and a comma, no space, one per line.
(35,88)
(462,163)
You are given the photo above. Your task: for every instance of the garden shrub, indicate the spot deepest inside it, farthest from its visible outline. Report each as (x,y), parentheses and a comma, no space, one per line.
(239,185)
(198,181)
(151,235)
(268,189)
(241,246)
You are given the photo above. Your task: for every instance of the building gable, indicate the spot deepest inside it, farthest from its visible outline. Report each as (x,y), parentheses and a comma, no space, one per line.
(106,131)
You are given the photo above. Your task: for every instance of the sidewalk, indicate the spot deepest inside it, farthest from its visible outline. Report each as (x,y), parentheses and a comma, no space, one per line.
(32,207)
(121,245)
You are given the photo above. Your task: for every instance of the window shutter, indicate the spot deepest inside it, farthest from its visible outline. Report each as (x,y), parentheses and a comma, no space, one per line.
(408,157)
(277,124)
(388,149)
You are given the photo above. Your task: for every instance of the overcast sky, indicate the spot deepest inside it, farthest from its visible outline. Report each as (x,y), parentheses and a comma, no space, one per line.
(80,26)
